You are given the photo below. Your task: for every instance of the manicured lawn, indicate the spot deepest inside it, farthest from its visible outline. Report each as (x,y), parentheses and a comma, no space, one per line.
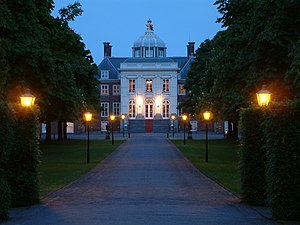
(222,163)
(64,161)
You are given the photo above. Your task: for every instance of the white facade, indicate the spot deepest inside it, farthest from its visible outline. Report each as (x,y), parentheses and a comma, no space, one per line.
(145,85)
(156,73)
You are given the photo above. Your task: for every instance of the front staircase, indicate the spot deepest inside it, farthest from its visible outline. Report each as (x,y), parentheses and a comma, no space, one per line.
(149,126)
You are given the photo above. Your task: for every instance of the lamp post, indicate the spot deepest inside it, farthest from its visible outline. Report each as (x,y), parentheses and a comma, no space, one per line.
(184,117)
(88,117)
(112,118)
(123,119)
(263,96)
(27,99)
(173,117)
(206,116)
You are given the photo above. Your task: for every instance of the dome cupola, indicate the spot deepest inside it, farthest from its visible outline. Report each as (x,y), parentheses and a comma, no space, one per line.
(149,45)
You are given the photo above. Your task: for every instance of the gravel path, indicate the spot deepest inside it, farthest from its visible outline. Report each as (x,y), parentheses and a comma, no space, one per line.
(146,181)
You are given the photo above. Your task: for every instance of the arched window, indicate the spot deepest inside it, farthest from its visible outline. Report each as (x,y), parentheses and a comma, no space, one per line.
(166,109)
(131,109)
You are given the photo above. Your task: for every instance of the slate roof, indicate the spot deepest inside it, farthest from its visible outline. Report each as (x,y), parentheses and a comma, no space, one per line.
(113,63)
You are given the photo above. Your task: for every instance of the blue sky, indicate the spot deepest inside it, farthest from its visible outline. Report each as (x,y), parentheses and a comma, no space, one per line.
(121,22)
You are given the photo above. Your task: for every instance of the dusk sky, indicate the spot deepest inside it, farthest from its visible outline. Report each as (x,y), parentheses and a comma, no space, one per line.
(121,22)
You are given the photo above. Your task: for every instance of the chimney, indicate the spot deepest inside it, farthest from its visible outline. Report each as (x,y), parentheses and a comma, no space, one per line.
(190,49)
(107,49)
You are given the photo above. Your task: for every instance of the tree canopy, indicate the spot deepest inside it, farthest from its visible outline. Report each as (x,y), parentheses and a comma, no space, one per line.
(260,44)
(44,54)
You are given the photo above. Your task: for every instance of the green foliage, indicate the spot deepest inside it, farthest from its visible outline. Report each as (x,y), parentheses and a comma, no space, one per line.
(6,136)
(51,59)
(283,160)
(70,12)
(5,199)
(252,156)
(24,158)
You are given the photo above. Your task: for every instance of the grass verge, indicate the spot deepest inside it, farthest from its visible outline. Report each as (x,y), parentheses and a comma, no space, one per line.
(222,165)
(64,161)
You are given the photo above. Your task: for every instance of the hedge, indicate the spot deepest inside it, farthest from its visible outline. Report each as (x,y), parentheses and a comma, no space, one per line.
(24,158)
(282,133)
(252,156)
(5,199)
(6,137)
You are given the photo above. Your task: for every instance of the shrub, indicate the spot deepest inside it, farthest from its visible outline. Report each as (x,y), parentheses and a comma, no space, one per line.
(252,156)
(6,137)
(24,158)
(5,199)
(282,132)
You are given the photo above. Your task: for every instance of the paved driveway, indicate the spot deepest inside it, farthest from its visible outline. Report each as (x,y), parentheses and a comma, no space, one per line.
(146,181)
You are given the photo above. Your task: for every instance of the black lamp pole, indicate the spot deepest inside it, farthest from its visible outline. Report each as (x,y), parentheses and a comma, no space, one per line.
(184,132)
(112,132)
(206,142)
(173,127)
(123,127)
(88,144)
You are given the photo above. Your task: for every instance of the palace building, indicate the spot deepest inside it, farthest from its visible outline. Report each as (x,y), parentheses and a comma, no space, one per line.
(146,87)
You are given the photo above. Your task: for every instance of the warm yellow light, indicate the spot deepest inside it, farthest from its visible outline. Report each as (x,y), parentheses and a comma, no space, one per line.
(88,116)
(123,117)
(263,96)
(139,101)
(184,117)
(173,117)
(112,117)
(158,101)
(206,115)
(27,100)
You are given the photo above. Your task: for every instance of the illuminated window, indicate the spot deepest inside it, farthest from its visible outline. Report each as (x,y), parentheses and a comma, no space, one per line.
(104,89)
(116,108)
(131,109)
(131,86)
(181,90)
(104,111)
(116,89)
(148,85)
(166,109)
(166,86)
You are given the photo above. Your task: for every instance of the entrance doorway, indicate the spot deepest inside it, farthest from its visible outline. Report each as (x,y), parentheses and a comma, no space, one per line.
(149,109)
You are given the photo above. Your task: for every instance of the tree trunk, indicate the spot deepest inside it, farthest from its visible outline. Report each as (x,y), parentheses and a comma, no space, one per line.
(65,130)
(229,131)
(59,130)
(48,131)
(235,133)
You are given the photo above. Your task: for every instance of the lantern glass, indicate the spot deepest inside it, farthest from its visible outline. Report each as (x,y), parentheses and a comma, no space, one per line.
(88,116)
(184,117)
(263,97)
(173,117)
(27,100)
(123,116)
(112,117)
(206,115)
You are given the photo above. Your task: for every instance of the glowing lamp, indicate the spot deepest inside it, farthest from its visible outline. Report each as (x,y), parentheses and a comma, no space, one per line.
(173,117)
(184,117)
(206,115)
(263,96)
(112,117)
(27,99)
(88,116)
(123,117)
